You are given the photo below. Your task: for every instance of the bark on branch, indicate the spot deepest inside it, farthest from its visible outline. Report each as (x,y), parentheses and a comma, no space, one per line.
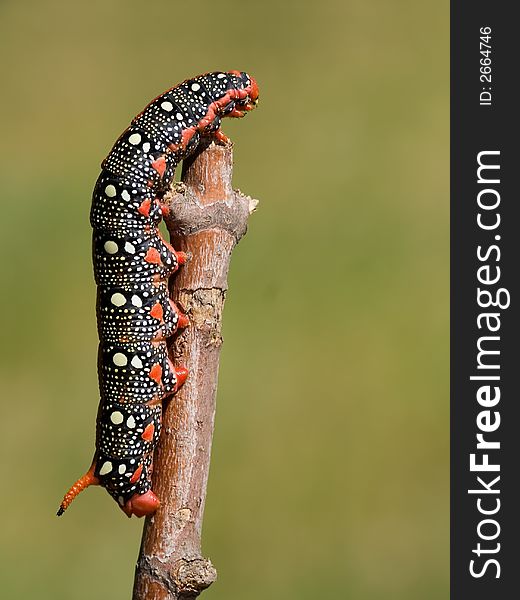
(207,219)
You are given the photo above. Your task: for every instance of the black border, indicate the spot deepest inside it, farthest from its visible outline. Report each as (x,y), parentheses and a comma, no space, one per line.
(475,128)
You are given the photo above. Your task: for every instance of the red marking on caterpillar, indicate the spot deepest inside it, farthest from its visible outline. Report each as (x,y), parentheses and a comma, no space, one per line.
(160,165)
(137,474)
(148,432)
(144,207)
(152,256)
(157,311)
(135,373)
(156,373)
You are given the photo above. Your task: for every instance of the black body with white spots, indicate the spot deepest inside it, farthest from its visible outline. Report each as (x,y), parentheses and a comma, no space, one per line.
(132,264)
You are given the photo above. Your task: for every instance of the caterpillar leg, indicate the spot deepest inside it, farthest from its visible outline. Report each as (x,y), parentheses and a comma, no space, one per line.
(165,211)
(181,374)
(183,320)
(83,482)
(238,114)
(170,318)
(182,257)
(221,137)
(141,505)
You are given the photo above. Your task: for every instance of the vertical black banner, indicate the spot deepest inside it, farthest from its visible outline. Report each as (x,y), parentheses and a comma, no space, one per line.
(485,269)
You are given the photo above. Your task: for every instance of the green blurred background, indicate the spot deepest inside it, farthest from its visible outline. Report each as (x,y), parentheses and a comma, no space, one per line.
(329,476)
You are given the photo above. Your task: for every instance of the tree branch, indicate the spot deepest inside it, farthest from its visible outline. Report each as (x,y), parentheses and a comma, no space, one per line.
(207,219)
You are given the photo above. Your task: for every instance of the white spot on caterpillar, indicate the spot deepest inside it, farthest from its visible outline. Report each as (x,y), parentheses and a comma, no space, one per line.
(168,106)
(221,76)
(136,301)
(125,195)
(130,422)
(179,117)
(106,468)
(120,360)
(130,248)
(118,299)
(110,247)
(195,87)
(134,139)
(122,469)
(136,362)
(110,191)
(116,417)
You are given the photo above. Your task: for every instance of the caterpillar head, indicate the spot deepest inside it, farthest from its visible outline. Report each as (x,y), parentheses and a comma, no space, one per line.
(249,88)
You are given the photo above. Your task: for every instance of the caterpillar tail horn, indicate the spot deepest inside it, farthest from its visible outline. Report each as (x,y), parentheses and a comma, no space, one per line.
(82,483)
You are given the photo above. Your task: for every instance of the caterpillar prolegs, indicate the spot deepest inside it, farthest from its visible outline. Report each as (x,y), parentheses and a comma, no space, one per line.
(132,263)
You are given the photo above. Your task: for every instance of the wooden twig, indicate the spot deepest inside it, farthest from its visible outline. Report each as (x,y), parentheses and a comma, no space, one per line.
(207,219)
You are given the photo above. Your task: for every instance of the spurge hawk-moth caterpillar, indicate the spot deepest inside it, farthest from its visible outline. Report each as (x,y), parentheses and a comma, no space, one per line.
(132,263)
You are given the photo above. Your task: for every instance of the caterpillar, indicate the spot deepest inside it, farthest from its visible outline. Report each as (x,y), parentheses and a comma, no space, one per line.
(132,263)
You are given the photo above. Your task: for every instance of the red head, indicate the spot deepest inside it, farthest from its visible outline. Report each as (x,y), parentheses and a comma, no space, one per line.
(254,93)
(250,87)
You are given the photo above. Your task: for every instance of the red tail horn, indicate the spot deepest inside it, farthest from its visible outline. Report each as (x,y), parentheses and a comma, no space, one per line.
(76,488)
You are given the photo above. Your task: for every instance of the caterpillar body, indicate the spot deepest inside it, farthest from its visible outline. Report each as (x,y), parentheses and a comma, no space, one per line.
(132,263)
